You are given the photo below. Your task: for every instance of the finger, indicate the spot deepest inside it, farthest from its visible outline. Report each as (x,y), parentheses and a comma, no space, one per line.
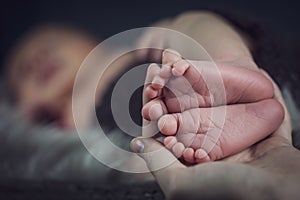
(161,162)
(285,129)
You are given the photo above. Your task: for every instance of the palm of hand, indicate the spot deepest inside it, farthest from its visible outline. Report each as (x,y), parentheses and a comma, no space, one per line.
(266,166)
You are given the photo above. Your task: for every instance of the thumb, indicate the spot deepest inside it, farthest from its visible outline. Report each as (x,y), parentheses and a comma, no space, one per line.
(160,161)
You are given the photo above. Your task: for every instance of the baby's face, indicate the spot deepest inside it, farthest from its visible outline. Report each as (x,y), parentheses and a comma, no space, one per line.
(42,71)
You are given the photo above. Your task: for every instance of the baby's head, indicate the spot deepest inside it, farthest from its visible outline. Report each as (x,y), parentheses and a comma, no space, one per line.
(41,70)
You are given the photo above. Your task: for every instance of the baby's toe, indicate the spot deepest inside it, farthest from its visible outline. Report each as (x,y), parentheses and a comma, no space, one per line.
(152,71)
(166,71)
(180,67)
(167,124)
(151,92)
(170,56)
(178,149)
(170,141)
(155,112)
(154,109)
(188,155)
(201,156)
(158,82)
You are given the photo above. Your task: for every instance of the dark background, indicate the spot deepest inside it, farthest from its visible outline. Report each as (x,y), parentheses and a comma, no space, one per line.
(105,18)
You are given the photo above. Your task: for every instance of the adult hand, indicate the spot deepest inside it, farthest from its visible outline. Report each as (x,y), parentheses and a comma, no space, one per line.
(267,170)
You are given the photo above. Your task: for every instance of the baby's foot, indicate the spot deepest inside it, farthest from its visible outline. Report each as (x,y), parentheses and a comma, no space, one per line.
(206,134)
(182,84)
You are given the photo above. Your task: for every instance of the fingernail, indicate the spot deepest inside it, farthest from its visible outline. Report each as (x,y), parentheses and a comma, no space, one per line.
(138,146)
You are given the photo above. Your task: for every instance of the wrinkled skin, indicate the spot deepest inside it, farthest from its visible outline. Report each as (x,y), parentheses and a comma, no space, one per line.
(189,93)
(267,170)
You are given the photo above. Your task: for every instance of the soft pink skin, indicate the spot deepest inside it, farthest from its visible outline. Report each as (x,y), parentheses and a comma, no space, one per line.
(192,131)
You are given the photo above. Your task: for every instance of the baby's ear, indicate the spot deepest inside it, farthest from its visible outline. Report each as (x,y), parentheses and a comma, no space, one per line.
(170,56)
